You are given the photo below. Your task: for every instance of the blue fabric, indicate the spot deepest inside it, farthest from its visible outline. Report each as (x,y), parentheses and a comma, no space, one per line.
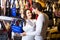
(17,29)
(13,11)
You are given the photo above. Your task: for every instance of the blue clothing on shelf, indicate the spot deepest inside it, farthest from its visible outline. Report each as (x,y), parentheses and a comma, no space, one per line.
(13,11)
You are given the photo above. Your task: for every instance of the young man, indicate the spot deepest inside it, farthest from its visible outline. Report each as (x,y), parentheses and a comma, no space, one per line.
(41,23)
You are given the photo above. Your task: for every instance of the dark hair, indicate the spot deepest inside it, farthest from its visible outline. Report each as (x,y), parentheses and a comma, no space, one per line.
(25,16)
(38,6)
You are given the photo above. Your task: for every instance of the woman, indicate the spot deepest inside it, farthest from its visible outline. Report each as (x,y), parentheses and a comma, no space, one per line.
(29,25)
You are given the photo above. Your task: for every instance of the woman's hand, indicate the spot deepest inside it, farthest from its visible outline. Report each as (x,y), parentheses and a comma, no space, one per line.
(23,34)
(16,34)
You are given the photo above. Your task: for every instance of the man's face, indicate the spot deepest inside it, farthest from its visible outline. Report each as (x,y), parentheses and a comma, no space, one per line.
(34,11)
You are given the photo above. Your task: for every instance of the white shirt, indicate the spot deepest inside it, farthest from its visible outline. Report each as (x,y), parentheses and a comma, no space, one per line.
(39,25)
(29,28)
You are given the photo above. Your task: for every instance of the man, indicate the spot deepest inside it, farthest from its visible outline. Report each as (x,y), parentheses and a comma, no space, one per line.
(41,23)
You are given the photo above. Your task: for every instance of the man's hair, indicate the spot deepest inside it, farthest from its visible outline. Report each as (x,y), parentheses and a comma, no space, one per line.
(38,6)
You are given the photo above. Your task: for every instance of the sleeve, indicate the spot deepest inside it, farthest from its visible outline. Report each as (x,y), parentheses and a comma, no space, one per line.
(39,25)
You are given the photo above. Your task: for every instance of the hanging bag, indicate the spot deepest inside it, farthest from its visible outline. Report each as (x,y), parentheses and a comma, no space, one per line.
(13,10)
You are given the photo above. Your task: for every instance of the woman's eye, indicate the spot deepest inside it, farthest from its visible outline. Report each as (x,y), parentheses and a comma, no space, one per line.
(28,12)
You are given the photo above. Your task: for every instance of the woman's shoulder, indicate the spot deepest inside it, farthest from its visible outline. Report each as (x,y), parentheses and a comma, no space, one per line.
(34,20)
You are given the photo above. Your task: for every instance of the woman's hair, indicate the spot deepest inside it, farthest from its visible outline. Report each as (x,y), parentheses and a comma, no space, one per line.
(25,16)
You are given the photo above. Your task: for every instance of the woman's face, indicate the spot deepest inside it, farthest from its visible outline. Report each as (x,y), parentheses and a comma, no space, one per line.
(28,14)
